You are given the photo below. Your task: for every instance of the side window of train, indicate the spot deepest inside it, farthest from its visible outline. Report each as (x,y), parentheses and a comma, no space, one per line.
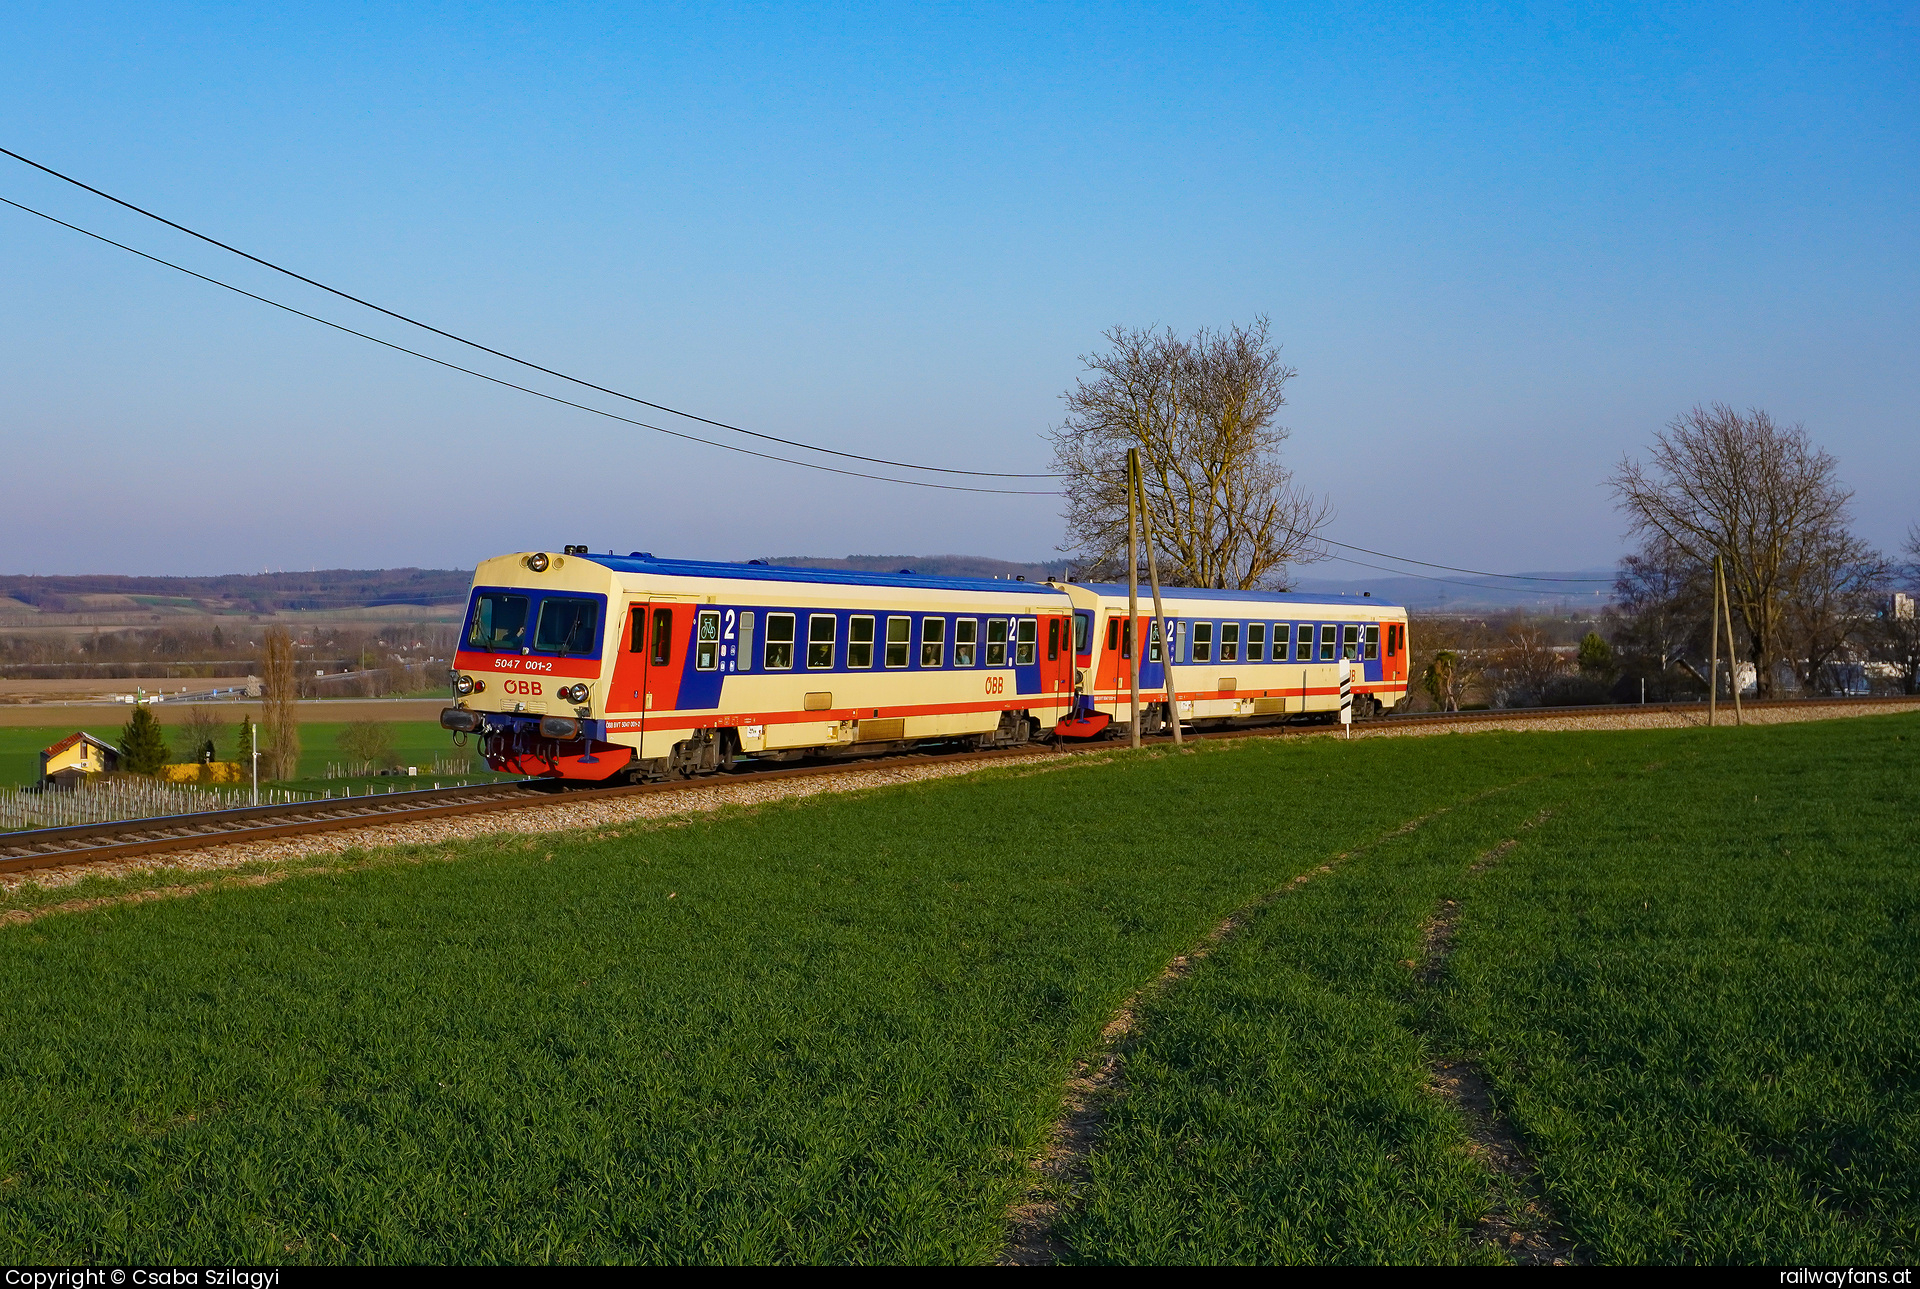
(639,642)
(1229,642)
(1153,641)
(1126,638)
(859,643)
(899,641)
(1053,639)
(779,641)
(1256,641)
(1082,631)
(1328,639)
(662,637)
(820,632)
(706,640)
(996,642)
(743,652)
(1203,642)
(1113,634)
(1027,635)
(933,642)
(1303,651)
(1350,642)
(965,631)
(1373,641)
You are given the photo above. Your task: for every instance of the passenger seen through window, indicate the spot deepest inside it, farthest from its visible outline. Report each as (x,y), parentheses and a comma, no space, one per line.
(821,628)
(933,642)
(779,641)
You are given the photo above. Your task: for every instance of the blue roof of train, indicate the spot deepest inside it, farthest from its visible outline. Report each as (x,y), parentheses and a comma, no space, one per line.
(1211,593)
(641,563)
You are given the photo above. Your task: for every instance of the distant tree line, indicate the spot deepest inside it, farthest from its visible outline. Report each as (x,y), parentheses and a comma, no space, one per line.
(245,592)
(386,659)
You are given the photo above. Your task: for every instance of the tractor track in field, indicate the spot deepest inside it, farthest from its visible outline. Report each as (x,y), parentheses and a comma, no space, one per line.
(1098,1080)
(1520,1223)
(90,845)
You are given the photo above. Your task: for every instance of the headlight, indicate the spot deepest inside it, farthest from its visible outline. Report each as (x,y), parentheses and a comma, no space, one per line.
(575,694)
(559,727)
(463,685)
(460,720)
(537,561)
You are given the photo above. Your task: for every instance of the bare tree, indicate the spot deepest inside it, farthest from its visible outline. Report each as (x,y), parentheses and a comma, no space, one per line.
(1447,655)
(196,739)
(1201,411)
(1441,679)
(369,742)
(279,726)
(1738,486)
(1525,665)
(1660,613)
(1837,584)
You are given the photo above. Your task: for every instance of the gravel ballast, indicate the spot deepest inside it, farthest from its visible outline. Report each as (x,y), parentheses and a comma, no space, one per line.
(707,797)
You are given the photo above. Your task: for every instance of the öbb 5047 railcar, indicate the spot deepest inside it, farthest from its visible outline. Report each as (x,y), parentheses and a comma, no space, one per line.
(592,667)
(596,667)
(1235,655)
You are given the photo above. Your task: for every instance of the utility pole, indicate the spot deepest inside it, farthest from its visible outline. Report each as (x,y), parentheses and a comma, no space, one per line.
(1713,648)
(1153,576)
(1733,672)
(253,733)
(1127,641)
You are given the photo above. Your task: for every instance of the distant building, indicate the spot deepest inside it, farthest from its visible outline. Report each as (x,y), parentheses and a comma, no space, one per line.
(75,757)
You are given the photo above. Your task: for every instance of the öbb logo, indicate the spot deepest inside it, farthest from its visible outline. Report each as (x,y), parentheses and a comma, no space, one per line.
(521,686)
(996,684)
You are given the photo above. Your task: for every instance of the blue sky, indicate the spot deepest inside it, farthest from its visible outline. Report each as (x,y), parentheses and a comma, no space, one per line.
(1501,247)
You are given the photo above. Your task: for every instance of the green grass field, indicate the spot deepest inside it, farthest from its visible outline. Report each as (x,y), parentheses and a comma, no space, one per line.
(415,742)
(838,1029)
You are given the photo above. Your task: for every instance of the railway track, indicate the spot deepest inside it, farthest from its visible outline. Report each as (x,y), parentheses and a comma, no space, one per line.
(98,843)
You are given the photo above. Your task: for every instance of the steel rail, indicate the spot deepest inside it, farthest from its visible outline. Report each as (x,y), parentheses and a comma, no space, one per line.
(99,843)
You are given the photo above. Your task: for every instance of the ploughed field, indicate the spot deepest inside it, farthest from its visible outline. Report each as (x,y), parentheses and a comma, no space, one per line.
(839,1029)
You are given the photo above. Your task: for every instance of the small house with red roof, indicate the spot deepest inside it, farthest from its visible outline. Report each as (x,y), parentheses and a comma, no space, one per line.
(75,757)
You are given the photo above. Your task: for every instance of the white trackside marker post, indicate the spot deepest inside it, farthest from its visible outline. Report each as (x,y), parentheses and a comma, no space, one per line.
(1346,695)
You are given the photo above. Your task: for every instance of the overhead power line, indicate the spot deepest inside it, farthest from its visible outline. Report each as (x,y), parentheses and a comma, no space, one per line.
(553,398)
(1521,577)
(1424,577)
(498,353)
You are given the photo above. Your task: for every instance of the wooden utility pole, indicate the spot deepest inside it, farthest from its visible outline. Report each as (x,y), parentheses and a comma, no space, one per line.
(1733,667)
(1713,648)
(1153,576)
(1127,641)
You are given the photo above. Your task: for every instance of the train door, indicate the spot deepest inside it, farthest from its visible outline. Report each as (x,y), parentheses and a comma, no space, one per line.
(626,694)
(662,648)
